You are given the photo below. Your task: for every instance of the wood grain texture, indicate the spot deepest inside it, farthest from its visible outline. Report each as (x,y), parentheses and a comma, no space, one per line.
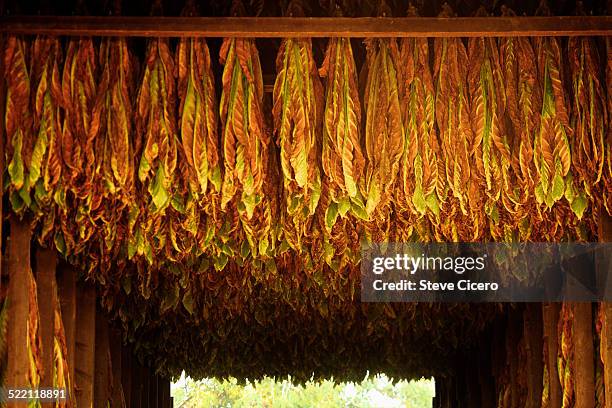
(45,285)
(18,307)
(85,346)
(283,27)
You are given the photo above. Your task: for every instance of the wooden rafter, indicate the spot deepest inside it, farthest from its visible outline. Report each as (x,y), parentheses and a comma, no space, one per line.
(307,27)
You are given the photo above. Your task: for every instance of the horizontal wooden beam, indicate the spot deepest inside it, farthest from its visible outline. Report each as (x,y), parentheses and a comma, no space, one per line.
(307,27)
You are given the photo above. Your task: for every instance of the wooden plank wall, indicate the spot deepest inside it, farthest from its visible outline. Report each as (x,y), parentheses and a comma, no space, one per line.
(101,368)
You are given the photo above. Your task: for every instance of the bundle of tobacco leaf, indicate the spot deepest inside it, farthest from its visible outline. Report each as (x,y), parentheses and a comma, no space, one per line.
(17,123)
(108,191)
(523,106)
(463,215)
(79,93)
(45,170)
(384,140)
(246,149)
(588,121)
(297,115)
(607,177)
(489,146)
(156,125)
(421,189)
(199,138)
(551,147)
(565,354)
(342,155)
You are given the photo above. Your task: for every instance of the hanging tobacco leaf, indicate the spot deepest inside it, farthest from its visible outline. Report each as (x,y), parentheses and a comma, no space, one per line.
(422,186)
(384,139)
(463,215)
(551,146)
(246,149)
(18,123)
(588,120)
(490,148)
(199,137)
(523,107)
(342,157)
(297,114)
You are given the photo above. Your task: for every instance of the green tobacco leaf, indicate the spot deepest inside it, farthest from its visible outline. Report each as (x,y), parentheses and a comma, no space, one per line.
(15,167)
(579,205)
(158,191)
(331,214)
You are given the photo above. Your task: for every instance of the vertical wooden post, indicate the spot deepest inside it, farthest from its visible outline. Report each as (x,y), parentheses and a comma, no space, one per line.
(584,355)
(67,298)
(533,332)
(472,381)
(137,384)
(153,389)
(117,367)
(2,133)
(126,374)
(45,287)
(102,371)
(85,346)
(550,315)
(164,392)
(146,386)
(18,306)
(605,235)
(485,371)
(513,335)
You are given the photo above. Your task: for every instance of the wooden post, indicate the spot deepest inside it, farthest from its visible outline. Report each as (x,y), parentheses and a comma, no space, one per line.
(85,346)
(102,382)
(117,367)
(584,355)
(145,386)
(126,374)
(472,381)
(513,336)
(153,389)
(605,235)
(533,332)
(45,287)
(2,136)
(164,392)
(67,298)
(18,306)
(550,315)
(485,372)
(137,384)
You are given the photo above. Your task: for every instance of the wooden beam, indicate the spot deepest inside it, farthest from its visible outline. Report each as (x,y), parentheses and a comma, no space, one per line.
(102,380)
(550,317)
(584,355)
(85,346)
(282,27)
(67,298)
(45,286)
(18,306)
